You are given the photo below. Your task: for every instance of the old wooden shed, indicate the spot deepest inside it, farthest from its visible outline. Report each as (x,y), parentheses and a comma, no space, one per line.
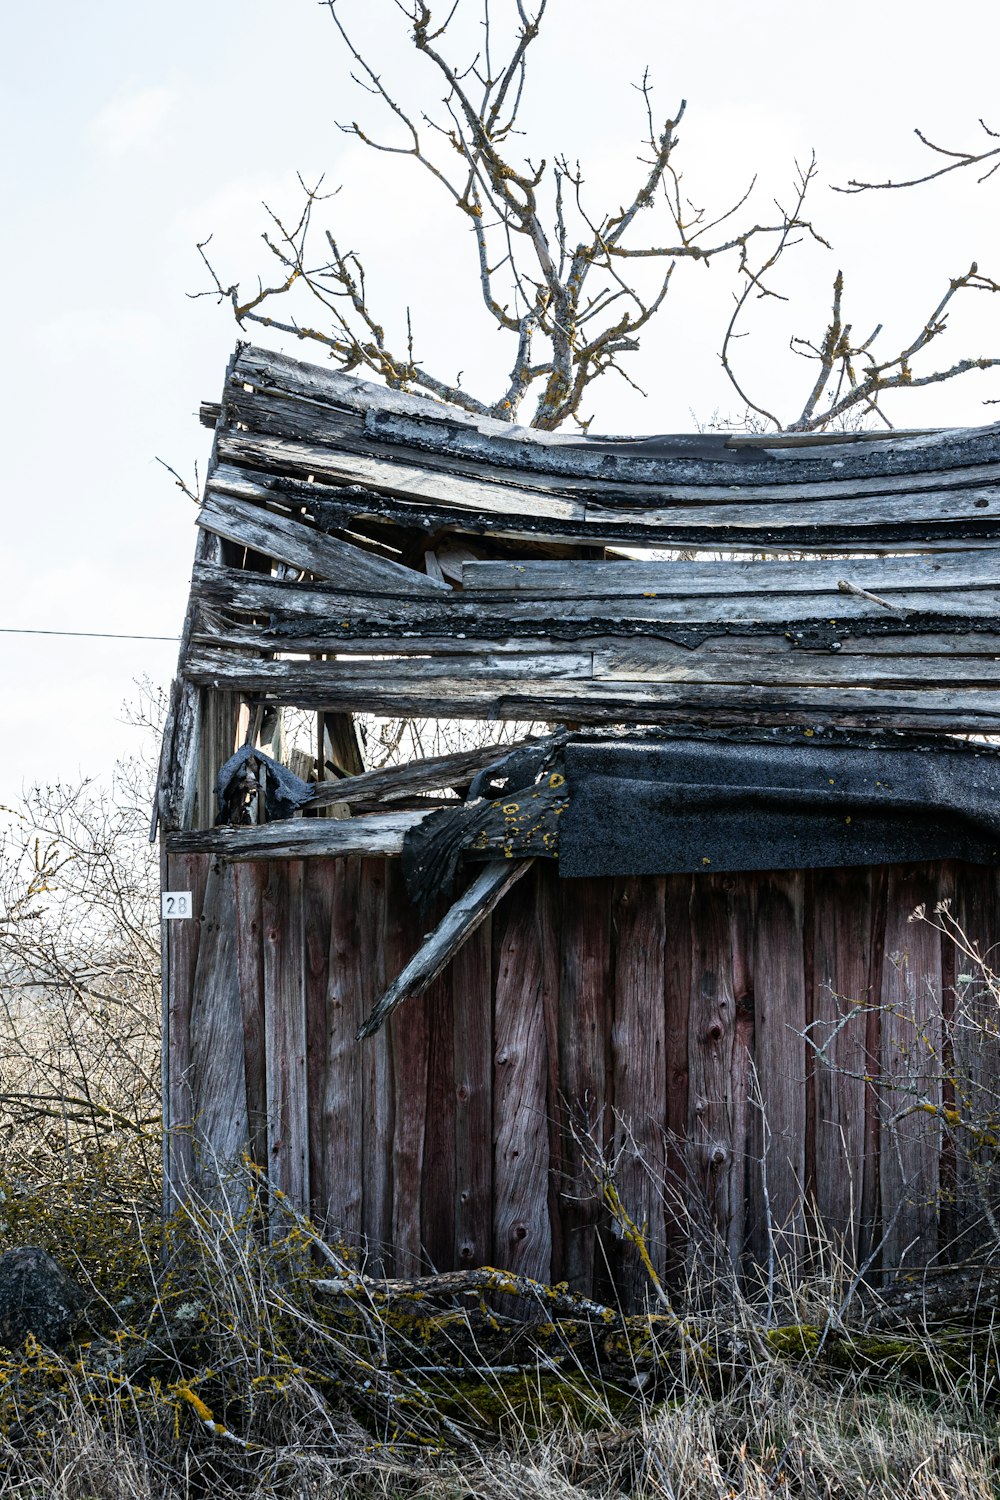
(745,773)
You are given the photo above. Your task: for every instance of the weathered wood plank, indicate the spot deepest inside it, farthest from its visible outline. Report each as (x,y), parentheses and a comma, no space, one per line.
(768,661)
(581,579)
(290,541)
(925,522)
(407,481)
(185,872)
(319,878)
(585,1009)
(461,919)
(341,1103)
(677,1003)
(438,1167)
(639,1064)
(472,991)
(297,838)
(286,1040)
(409,1041)
(365,411)
(450,671)
(502,614)
(218,1083)
(962,709)
(909,1156)
(843,914)
(377,1063)
(522,1235)
(716,1162)
(249,880)
(779,1126)
(218,715)
(424,775)
(177,775)
(414,475)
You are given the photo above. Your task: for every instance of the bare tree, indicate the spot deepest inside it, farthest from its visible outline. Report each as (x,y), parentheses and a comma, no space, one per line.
(574,287)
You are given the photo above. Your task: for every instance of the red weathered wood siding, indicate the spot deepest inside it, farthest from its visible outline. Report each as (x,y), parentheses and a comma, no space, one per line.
(663,1016)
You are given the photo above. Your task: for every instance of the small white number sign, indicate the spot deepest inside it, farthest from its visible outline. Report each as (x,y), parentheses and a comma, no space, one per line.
(175,904)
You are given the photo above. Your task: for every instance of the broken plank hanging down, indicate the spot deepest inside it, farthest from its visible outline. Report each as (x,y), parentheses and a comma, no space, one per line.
(461,920)
(287,540)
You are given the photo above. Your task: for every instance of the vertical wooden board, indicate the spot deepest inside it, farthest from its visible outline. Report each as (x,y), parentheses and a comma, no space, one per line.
(548,905)
(948,1223)
(218,1081)
(677,1005)
(408,1040)
(250,878)
(342,1102)
(585,1006)
(318,880)
(870,1235)
(522,1238)
(437,1205)
(742,893)
(975,1053)
(377,1075)
(472,1015)
(842,920)
(185,872)
(219,717)
(777,1176)
(716,1156)
(911,1045)
(285,1036)
(638,1052)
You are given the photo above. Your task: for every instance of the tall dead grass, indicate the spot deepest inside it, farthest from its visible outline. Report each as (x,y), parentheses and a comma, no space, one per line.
(208,1365)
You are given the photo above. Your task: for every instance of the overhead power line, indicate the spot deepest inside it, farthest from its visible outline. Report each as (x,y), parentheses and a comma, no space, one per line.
(92,635)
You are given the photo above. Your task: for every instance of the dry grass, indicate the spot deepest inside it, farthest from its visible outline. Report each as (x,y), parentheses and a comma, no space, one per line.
(225,1375)
(229,1377)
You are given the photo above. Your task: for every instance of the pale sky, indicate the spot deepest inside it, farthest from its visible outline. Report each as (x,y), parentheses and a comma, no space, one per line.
(131,131)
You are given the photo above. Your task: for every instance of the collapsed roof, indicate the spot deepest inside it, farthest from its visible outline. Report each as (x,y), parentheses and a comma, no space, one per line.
(762,649)
(364,550)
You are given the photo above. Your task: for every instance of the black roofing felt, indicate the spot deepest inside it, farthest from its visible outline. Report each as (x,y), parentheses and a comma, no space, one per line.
(640,808)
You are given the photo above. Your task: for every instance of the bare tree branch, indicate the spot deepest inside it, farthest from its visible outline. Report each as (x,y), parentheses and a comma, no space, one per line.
(568,284)
(957,161)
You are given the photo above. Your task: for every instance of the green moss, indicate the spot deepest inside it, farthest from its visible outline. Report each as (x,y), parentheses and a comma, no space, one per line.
(533,1402)
(796,1339)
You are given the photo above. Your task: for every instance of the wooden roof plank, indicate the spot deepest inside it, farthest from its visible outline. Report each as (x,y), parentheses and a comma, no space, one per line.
(946,705)
(420,478)
(404,420)
(505,613)
(296,838)
(593,579)
(301,546)
(969,517)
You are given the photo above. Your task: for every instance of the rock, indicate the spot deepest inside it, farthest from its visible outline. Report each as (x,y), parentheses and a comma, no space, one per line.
(36,1296)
